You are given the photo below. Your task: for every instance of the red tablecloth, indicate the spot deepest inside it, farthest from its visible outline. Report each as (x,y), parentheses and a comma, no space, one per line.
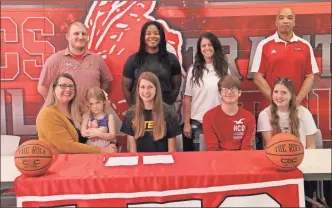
(210,177)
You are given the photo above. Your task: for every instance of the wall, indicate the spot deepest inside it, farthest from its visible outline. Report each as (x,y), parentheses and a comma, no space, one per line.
(33,31)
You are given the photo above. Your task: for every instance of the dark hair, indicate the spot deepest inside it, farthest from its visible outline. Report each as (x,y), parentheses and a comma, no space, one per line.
(162,53)
(229,81)
(219,59)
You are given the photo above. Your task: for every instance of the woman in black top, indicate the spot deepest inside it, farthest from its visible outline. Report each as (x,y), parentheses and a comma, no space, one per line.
(151,125)
(152,56)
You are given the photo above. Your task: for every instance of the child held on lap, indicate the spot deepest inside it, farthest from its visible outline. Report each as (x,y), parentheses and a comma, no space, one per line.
(97,125)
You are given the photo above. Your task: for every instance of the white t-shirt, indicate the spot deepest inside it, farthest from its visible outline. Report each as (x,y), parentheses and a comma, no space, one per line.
(204,97)
(307,123)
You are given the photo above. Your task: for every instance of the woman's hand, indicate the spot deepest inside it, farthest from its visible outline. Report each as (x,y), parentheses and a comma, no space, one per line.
(187,130)
(93,133)
(109,149)
(85,133)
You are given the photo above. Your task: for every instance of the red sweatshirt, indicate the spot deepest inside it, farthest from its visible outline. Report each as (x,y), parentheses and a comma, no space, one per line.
(224,132)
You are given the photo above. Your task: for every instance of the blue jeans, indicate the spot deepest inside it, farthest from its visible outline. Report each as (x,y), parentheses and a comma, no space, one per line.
(196,131)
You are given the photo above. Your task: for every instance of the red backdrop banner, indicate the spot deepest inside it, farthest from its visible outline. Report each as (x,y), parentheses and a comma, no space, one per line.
(30,33)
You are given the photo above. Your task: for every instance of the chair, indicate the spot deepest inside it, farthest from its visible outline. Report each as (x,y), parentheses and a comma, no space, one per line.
(202,145)
(319,187)
(179,143)
(9,144)
(319,145)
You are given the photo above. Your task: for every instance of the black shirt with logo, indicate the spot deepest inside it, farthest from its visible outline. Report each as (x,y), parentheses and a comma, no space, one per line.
(147,143)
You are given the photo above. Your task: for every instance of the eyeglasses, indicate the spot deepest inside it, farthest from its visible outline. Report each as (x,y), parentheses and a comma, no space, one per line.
(284,79)
(65,86)
(225,90)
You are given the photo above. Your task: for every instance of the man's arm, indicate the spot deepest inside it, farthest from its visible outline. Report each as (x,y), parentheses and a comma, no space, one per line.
(126,89)
(305,89)
(47,74)
(262,85)
(106,86)
(259,68)
(42,90)
(211,139)
(105,76)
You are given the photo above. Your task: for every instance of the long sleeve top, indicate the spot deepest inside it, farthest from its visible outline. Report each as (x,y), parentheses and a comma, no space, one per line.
(224,132)
(55,129)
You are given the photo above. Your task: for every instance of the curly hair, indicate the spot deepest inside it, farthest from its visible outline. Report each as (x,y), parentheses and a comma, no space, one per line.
(162,53)
(294,122)
(219,59)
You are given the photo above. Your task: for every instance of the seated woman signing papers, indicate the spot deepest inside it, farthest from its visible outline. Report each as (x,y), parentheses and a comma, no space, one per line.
(151,125)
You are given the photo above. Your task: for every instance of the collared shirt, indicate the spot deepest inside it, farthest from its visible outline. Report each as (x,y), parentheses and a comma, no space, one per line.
(90,71)
(278,58)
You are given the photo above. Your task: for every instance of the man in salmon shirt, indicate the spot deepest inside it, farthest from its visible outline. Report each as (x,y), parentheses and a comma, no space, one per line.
(88,69)
(229,126)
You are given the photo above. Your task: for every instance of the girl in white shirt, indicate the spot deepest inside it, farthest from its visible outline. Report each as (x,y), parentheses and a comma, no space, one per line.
(201,91)
(283,115)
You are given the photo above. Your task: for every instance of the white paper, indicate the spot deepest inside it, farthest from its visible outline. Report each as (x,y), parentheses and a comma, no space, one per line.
(158,159)
(122,161)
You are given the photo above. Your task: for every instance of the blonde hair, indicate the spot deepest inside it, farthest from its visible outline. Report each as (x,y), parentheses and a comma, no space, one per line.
(52,101)
(294,122)
(159,125)
(99,94)
(75,23)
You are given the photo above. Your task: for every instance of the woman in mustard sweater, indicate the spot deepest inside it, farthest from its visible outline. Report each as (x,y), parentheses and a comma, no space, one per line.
(58,117)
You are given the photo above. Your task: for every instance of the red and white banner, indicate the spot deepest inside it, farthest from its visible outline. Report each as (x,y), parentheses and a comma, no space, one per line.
(195,179)
(284,193)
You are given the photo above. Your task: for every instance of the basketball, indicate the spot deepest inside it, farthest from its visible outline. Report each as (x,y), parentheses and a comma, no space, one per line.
(33,158)
(285,151)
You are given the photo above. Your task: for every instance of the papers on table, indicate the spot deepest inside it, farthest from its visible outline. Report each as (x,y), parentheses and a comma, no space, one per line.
(133,160)
(122,161)
(158,159)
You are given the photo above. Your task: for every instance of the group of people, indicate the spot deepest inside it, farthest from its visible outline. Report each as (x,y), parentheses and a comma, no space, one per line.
(74,83)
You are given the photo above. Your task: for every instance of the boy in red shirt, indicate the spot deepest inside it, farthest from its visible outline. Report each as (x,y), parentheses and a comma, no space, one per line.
(228,126)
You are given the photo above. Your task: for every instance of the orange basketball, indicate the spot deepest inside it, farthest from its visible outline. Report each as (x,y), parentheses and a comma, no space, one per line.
(33,158)
(285,151)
